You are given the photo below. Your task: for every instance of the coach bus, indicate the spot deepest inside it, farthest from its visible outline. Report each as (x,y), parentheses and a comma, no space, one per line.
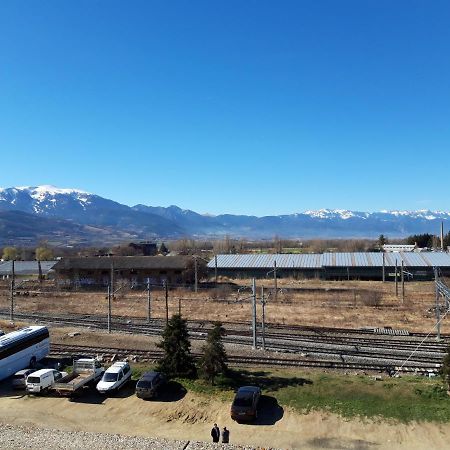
(23,348)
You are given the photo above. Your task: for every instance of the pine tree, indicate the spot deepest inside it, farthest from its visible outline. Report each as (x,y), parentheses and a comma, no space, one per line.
(214,358)
(163,249)
(382,240)
(177,360)
(445,369)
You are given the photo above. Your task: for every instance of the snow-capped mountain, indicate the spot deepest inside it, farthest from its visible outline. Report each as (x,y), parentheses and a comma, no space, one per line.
(107,220)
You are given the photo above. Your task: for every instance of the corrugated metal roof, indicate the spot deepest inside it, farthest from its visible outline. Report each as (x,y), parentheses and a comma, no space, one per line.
(26,267)
(318,260)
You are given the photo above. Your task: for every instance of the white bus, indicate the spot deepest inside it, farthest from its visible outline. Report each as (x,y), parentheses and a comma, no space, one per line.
(23,348)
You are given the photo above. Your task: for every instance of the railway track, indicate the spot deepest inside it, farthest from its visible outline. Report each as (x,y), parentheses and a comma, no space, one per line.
(336,347)
(265,361)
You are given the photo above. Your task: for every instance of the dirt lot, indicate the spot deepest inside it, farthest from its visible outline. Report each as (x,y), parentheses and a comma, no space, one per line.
(338,304)
(190,416)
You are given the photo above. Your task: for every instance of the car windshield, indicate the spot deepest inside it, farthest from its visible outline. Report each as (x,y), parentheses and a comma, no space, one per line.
(144,384)
(19,376)
(243,401)
(33,380)
(109,377)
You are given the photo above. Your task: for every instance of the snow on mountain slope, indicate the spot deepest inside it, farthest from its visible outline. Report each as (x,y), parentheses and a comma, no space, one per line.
(86,208)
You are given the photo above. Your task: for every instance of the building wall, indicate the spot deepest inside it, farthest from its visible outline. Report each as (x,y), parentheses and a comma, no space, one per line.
(133,276)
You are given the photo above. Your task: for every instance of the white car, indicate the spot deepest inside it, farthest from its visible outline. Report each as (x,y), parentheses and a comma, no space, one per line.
(114,378)
(42,380)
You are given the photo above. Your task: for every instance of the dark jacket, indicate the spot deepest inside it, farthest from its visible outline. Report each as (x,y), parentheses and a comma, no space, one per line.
(225,436)
(215,434)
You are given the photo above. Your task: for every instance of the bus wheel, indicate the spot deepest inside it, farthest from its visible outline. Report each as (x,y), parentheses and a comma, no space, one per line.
(33,362)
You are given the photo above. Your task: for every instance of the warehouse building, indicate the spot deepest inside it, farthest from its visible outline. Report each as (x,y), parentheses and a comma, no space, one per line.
(332,266)
(134,269)
(26,268)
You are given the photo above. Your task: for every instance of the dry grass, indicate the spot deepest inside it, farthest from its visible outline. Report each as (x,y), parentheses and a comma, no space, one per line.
(325,303)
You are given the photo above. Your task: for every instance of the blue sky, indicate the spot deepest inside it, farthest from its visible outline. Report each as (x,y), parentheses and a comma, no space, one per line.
(256,107)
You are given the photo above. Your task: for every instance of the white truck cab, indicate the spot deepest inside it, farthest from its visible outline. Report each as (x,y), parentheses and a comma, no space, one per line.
(42,380)
(114,378)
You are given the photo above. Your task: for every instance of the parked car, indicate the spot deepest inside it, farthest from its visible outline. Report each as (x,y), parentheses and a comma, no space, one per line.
(114,378)
(42,380)
(245,403)
(150,384)
(19,380)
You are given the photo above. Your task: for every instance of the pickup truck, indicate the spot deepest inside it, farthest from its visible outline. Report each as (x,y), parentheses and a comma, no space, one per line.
(86,372)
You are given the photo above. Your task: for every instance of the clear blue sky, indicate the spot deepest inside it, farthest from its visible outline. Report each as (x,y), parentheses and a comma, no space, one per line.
(257,107)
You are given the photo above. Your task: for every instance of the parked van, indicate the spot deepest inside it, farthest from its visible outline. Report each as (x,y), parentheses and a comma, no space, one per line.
(114,378)
(42,380)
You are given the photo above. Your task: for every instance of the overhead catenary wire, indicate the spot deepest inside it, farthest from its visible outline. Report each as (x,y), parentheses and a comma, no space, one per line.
(436,326)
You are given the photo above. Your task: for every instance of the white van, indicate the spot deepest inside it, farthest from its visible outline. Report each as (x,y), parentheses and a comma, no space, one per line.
(114,378)
(42,380)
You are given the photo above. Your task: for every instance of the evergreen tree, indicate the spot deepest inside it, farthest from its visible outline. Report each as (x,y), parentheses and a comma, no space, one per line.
(447,240)
(214,358)
(177,360)
(163,249)
(445,369)
(382,240)
(422,240)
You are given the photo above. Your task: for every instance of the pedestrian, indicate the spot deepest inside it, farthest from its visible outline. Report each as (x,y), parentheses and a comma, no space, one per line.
(215,433)
(225,436)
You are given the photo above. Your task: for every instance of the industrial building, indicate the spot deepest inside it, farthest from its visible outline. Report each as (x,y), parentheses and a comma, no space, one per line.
(134,269)
(332,266)
(26,268)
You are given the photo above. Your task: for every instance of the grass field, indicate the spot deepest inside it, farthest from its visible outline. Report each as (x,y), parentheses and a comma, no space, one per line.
(402,399)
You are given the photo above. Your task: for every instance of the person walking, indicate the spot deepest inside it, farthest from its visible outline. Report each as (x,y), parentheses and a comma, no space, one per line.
(225,436)
(215,433)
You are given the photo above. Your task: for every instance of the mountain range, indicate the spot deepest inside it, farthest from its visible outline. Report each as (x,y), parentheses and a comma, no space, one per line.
(72,216)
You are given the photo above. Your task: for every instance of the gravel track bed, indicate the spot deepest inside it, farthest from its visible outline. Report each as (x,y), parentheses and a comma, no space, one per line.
(16,437)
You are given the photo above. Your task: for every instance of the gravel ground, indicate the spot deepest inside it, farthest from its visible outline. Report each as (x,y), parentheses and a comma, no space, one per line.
(19,437)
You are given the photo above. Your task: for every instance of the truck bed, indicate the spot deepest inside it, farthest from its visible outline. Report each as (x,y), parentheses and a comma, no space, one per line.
(73,381)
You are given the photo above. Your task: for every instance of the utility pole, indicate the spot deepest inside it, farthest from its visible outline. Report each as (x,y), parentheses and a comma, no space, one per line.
(384,267)
(110,296)
(112,280)
(40,272)
(442,236)
(196,273)
(167,301)
(215,268)
(254,313)
(396,278)
(438,312)
(263,319)
(179,306)
(109,308)
(275,278)
(149,313)
(402,275)
(13,288)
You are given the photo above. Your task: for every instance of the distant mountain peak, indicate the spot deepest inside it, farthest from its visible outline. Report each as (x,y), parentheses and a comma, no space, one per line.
(49,189)
(326,213)
(91,212)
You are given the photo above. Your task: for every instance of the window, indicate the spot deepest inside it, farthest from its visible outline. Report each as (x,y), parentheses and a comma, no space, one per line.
(110,377)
